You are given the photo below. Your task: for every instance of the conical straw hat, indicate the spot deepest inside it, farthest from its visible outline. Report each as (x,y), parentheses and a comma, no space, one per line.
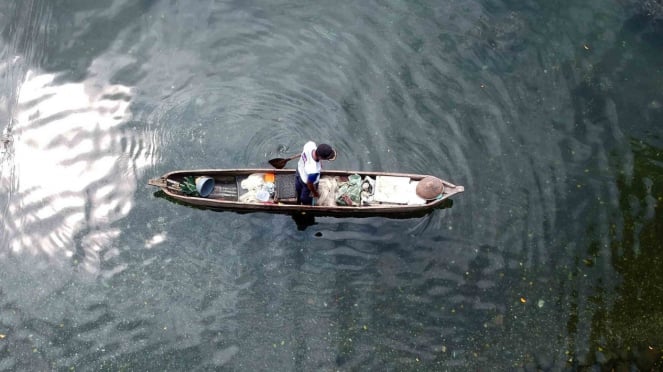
(430,187)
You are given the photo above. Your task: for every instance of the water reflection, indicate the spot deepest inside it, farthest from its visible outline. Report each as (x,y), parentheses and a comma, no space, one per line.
(69,170)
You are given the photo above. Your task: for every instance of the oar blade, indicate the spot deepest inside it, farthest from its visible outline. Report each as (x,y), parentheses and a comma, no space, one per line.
(278,163)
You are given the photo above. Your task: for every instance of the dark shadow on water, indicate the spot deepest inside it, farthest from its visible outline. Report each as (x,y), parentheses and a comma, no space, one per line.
(303,221)
(647,25)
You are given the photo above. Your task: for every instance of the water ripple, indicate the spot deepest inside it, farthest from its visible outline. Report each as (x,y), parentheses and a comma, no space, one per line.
(517,103)
(68,194)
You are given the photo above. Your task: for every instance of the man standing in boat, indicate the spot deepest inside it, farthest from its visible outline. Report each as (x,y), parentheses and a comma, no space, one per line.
(308,170)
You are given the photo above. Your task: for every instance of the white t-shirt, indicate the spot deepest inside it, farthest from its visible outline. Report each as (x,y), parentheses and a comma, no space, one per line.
(309,169)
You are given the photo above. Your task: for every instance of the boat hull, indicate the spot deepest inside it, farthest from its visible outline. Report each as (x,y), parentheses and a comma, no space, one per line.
(167,183)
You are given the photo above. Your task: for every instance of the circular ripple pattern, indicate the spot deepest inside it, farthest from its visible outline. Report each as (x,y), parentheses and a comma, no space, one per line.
(547,114)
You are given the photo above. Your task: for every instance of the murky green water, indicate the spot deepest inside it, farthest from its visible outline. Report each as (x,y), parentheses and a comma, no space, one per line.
(549,113)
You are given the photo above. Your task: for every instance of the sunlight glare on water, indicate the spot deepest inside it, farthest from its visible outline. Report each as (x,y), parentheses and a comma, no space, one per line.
(73,181)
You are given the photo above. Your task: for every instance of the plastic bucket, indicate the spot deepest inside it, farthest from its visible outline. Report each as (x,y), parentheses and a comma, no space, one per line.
(205,186)
(262,195)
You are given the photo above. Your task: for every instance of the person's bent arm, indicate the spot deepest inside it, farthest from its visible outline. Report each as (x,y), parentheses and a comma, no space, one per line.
(310,183)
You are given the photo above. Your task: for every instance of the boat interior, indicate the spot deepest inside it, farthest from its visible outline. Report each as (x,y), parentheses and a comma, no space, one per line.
(352,190)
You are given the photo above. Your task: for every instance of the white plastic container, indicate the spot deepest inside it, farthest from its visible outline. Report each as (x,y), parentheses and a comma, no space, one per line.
(262,195)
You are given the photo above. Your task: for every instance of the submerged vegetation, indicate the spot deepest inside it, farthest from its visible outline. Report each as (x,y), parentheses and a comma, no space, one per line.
(629,332)
(626,328)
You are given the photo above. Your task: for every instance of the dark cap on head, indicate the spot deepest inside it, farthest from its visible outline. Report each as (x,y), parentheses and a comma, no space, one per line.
(325,152)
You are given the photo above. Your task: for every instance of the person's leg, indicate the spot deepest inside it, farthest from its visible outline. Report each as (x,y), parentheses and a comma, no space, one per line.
(305,197)
(302,190)
(298,187)
(303,193)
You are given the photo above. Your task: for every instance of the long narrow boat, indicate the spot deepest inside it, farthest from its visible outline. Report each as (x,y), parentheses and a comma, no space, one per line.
(273,191)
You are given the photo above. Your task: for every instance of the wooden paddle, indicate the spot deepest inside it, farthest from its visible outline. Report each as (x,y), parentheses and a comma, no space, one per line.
(279,163)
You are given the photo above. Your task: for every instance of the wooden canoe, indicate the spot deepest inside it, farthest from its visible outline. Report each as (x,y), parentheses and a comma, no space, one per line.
(231,191)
